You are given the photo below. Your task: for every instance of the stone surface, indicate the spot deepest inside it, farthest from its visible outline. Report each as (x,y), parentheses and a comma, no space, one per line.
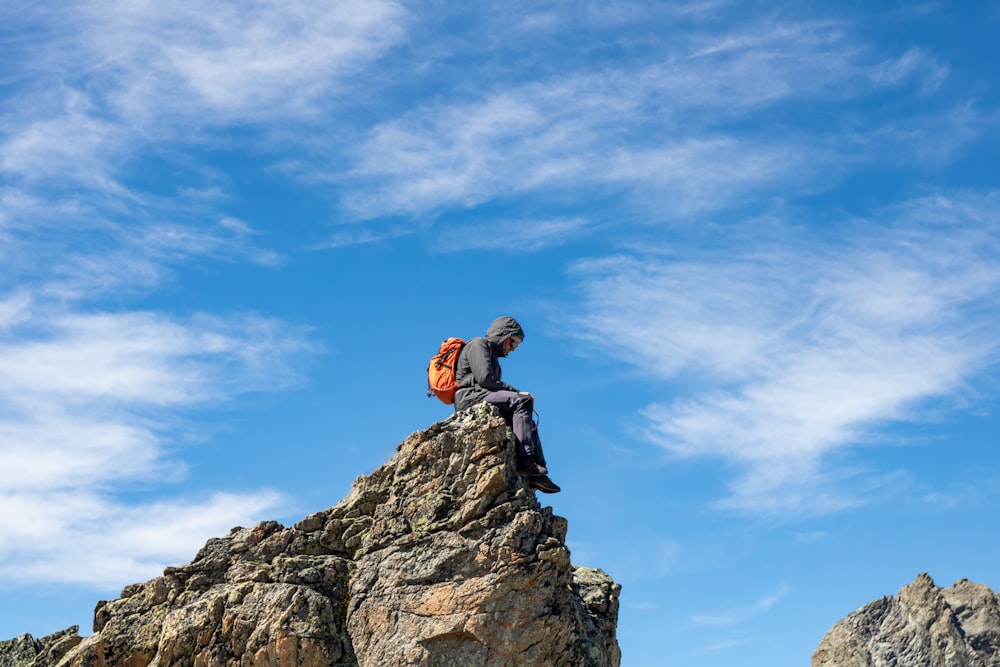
(26,651)
(924,625)
(441,557)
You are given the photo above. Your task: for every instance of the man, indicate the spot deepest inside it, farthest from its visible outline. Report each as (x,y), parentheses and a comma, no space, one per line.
(478,375)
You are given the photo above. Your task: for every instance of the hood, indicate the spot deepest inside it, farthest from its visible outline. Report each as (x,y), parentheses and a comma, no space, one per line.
(503,327)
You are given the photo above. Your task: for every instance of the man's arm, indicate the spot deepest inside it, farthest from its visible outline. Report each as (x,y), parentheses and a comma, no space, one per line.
(483,371)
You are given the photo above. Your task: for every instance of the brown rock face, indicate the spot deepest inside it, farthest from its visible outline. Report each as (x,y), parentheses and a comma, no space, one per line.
(923,626)
(440,557)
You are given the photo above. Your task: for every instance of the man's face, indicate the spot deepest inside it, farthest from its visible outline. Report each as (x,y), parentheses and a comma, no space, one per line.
(510,344)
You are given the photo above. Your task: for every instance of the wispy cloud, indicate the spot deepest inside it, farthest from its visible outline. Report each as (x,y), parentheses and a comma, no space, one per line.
(914,64)
(89,245)
(793,353)
(513,235)
(669,132)
(738,615)
(108,86)
(155,68)
(67,140)
(555,138)
(92,402)
(105,543)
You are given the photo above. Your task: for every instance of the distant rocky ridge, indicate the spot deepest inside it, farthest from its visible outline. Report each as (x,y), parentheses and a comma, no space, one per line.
(26,650)
(923,626)
(441,557)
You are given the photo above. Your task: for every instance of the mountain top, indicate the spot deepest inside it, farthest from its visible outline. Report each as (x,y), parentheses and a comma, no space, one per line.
(924,625)
(443,556)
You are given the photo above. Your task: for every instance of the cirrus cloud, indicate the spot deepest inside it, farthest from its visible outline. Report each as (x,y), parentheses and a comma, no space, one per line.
(794,354)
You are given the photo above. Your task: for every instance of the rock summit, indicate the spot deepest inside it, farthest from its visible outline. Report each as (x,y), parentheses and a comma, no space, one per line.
(923,626)
(443,556)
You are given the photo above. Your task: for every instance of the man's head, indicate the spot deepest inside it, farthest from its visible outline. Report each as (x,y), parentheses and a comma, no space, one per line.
(510,344)
(505,333)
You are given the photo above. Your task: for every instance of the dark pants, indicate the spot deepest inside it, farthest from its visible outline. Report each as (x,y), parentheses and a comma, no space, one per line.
(518,410)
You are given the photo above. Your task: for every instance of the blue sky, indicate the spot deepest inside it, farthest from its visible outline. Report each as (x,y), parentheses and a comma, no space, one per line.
(755,248)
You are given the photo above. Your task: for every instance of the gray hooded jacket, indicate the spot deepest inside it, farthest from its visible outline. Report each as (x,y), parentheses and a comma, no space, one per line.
(478,371)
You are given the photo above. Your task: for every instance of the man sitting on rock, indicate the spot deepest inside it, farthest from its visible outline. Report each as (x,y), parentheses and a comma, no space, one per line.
(478,377)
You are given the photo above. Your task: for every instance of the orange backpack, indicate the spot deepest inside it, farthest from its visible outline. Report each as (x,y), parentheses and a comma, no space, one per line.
(441,370)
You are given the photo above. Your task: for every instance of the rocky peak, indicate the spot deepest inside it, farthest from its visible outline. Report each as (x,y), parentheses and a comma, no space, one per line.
(25,651)
(924,625)
(443,556)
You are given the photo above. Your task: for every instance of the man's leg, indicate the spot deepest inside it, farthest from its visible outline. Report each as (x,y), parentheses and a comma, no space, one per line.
(517,410)
(539,456)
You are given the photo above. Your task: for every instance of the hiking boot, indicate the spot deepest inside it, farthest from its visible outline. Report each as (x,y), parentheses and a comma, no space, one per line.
(544,484)
(526,465)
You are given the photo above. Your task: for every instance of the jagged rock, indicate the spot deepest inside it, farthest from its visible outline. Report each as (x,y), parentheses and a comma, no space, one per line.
(26,651)
(443,556)
(924,626)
